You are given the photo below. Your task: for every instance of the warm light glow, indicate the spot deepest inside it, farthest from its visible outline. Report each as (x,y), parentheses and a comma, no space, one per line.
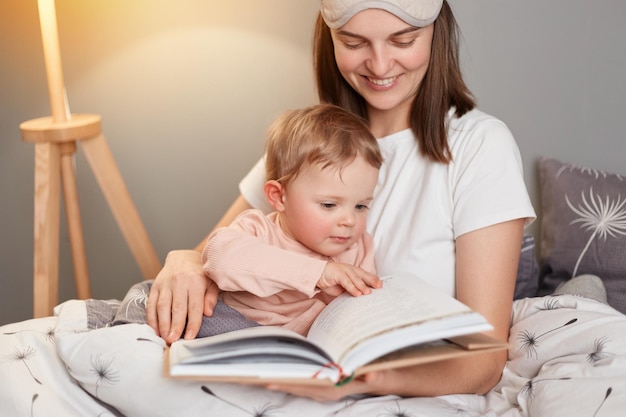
(52,56)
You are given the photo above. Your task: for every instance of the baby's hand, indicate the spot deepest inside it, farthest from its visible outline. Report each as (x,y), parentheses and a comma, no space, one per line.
(353,279)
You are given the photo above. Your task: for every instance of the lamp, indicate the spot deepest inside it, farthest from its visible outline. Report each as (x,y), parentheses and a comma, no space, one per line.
(55,139)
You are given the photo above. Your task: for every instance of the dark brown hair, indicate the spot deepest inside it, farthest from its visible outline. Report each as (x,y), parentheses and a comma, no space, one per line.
(441,89)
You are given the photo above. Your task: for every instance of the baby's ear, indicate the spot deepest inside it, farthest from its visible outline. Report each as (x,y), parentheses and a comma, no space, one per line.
(274,194)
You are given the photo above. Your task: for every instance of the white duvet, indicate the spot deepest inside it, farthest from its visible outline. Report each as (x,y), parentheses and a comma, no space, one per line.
(567,358)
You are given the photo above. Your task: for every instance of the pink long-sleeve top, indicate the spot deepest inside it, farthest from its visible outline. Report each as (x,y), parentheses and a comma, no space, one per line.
(269,277)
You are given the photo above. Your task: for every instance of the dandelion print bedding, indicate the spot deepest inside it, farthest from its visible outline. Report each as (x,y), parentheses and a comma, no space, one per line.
(567,358)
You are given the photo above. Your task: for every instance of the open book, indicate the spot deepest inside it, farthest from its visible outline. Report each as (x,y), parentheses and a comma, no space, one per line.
(405,322)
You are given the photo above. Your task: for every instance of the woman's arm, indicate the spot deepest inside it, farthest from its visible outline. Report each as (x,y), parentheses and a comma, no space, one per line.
(181,292)
(239,205)
(486,266)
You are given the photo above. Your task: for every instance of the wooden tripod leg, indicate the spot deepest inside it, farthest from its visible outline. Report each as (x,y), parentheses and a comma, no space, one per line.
(74,224)
(112,185)
(46,229)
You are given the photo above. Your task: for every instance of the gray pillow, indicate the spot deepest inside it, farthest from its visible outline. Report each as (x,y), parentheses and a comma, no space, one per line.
(527,282)
(583,227)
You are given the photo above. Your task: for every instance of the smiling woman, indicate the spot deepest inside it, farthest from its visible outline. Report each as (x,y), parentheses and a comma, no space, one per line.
(384,65)
(451,190)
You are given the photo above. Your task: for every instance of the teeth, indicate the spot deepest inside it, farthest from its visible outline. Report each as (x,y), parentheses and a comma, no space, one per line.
(382,82)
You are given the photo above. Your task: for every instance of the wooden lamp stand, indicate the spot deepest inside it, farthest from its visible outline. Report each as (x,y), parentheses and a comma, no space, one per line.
(55,140)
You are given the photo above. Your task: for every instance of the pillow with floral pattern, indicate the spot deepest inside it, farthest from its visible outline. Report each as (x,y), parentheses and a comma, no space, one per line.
(583,227)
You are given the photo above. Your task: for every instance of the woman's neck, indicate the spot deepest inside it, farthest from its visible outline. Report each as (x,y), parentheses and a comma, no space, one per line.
(385,122)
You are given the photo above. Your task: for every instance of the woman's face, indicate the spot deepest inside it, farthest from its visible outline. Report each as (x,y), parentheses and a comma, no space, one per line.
(383,58)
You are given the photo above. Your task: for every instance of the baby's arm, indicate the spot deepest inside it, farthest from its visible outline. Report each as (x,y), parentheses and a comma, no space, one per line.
(354,270)
(244,257)
(339,276)
(240,262)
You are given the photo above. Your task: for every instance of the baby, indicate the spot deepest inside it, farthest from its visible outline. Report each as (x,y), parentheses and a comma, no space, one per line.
(283,268)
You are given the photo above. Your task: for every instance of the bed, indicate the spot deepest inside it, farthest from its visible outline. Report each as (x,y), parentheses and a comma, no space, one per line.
(567,354)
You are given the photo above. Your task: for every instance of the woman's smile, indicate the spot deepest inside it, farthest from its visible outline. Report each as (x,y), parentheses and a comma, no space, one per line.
(382,82)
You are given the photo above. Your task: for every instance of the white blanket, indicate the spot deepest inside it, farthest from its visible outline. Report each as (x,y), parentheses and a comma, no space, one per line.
(568,358)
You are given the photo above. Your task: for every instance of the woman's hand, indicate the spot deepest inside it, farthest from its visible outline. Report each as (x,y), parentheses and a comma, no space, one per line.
(371,383)
(182,292)
(180,295)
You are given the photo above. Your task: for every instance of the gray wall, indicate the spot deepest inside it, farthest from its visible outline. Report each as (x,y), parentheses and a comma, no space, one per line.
(187,88)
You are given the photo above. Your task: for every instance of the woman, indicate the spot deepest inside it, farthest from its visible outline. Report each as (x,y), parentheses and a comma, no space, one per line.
(450,204)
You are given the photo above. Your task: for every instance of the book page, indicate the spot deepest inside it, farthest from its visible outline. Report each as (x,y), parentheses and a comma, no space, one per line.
(404,299)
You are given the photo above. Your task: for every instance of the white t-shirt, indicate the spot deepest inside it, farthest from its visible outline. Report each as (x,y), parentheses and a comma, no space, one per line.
(420,207)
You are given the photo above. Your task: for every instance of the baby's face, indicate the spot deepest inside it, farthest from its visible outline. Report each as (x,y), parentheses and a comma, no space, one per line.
(326,209)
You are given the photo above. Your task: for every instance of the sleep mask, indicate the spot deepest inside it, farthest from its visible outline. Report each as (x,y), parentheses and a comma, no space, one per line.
(418,13)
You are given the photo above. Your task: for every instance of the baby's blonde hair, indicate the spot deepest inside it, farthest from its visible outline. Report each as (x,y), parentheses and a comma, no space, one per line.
(324,135)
